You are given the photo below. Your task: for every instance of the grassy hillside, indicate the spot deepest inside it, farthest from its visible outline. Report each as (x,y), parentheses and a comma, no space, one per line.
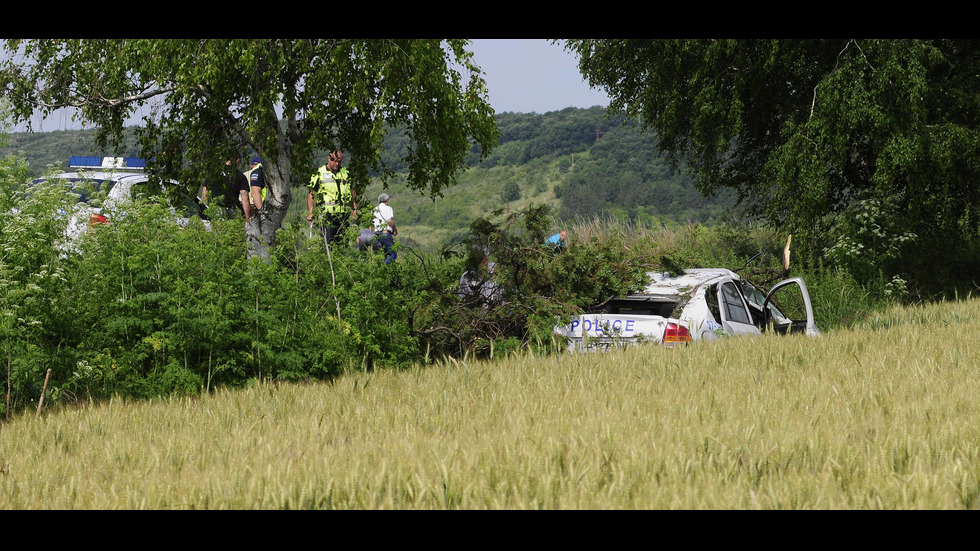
(878,417)
(431,223)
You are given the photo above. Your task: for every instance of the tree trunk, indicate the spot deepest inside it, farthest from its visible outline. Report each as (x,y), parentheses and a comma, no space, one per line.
(260,230)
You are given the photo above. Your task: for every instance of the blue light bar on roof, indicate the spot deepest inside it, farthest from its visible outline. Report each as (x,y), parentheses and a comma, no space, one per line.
(131,163)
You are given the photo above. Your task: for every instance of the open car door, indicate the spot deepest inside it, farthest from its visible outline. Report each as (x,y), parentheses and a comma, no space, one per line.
(735,316)
(788,309)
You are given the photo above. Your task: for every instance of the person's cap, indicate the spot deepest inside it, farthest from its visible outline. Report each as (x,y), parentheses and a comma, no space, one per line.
(256,160)
(383,198)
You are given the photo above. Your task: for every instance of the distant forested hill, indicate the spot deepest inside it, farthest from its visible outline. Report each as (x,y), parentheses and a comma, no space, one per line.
(44,149)
(580,161)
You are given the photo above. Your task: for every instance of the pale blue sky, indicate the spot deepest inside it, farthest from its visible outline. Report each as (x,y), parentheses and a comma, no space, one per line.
(532,75)
(523,75)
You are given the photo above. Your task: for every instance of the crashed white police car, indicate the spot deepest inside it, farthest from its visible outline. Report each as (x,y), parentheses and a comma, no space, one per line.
(699,304)
(116,180)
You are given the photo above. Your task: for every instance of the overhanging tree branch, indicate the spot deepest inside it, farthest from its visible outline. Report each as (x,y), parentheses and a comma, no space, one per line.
(98,100)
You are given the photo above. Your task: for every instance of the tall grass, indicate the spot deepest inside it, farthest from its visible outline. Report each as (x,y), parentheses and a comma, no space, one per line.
(879,417)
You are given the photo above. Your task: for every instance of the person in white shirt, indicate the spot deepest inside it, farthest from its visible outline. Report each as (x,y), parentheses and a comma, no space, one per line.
(384,228)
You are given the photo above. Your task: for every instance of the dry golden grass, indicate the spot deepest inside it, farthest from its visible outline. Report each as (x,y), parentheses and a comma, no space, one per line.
(884,416)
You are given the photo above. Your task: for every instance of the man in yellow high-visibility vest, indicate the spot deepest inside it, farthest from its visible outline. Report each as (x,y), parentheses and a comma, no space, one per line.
(337,201)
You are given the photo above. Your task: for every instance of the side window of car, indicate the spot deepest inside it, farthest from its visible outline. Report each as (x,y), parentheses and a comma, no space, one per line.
(143,190)
(88,189)
(191,207)
(711,298)
(755,300)
(734,307)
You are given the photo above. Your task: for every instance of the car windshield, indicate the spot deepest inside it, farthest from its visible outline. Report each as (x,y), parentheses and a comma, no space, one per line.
(182,202)
(758,298)
(84,188)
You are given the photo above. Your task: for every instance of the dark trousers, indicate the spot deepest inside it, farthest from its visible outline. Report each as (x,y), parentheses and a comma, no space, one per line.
(384,240)
(333,226)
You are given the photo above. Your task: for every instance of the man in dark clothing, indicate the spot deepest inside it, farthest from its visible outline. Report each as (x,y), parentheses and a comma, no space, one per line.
(233,199)
(233,196)
(256,180)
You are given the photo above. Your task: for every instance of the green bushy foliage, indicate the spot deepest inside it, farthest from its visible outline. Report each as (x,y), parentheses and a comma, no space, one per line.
(538,285)
(33,269)
(142,307)
(354,296)
(868,241)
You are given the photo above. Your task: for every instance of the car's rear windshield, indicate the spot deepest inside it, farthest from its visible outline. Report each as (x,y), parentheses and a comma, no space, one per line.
(641,307)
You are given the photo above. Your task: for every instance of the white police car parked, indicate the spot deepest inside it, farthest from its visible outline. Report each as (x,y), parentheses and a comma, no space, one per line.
(700,304)
(117,180)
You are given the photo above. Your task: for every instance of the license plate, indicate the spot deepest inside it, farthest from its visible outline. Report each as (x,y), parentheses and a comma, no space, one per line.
(578,345)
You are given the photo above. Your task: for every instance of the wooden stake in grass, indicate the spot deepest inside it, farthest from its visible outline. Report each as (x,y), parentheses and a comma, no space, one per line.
(44,389)
(333,279)
(786,255)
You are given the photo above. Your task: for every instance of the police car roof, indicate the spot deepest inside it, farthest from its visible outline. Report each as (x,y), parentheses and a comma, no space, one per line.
(118,163)
(95,176)
(663,284)
(100,169)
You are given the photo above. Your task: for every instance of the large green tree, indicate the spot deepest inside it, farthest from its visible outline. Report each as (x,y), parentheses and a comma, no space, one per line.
(285,100)
(805,129)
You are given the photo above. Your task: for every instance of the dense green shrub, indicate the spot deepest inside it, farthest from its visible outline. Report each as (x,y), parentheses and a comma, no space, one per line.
(538,285)
(33,268)
(141,307)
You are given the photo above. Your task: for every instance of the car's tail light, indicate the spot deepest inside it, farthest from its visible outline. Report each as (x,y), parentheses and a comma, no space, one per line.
(675,333)
(97,219)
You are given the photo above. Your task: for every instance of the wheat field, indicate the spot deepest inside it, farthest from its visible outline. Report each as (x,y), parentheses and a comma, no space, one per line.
(881,416)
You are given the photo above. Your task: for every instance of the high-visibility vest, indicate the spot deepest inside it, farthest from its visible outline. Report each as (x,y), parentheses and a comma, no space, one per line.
(334,190)
(248,177)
